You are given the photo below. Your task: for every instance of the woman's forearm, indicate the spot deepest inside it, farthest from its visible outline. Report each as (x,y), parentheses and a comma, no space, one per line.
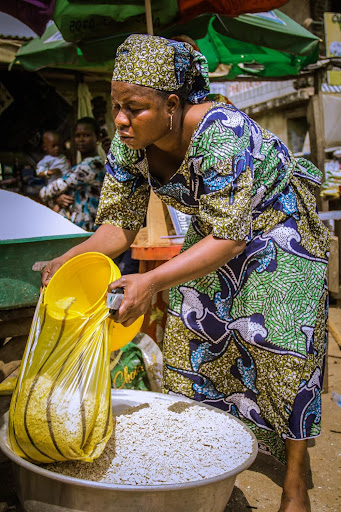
(197,261)
(109,240)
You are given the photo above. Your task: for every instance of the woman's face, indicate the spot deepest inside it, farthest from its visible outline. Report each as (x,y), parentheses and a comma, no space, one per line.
(140,114)
(85,140)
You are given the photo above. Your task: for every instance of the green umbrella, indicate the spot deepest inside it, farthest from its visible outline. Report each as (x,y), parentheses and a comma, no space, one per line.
(245,58)
(50,50)
(240,57)
(266,44)
(272,30)
(82,20)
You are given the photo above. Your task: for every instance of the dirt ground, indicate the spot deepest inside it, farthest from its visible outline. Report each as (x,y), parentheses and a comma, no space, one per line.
(259,487)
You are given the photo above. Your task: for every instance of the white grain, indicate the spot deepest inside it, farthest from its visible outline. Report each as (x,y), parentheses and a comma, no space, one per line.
(155,446)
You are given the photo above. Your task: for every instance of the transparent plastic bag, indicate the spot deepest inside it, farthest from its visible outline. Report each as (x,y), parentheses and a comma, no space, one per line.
(61,406)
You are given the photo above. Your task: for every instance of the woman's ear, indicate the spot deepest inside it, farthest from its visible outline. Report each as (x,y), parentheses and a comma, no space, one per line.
(172,103)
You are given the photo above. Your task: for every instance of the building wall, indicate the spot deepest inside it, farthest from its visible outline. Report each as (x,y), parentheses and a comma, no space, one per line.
(275,122)
(299,10)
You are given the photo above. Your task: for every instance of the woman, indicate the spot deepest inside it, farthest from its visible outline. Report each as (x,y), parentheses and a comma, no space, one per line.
(246,328)
(78,191)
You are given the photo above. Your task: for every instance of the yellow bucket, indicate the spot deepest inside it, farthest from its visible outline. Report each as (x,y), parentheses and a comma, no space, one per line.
(80,286)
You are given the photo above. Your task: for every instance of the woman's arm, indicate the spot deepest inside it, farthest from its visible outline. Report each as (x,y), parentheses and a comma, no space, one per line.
(108,239)
(197,261)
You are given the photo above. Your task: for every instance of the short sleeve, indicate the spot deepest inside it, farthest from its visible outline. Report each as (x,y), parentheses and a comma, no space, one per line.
(226,169)
(124,197)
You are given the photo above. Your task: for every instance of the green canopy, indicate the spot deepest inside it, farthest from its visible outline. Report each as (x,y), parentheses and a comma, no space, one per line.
(50,50)
(272,30)
(246,58)
(220,45)
(82,20)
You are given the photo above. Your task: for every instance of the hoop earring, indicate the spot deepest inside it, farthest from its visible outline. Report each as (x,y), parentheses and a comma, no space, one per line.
(171,122)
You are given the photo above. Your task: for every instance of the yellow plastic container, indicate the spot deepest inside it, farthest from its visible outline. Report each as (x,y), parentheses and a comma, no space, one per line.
(121,335)
(80,286)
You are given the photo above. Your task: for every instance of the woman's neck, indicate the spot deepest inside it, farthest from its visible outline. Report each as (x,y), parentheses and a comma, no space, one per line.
(165,159)
(184,124)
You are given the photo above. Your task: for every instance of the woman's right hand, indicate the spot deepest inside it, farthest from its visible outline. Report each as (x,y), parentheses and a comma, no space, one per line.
(49,270)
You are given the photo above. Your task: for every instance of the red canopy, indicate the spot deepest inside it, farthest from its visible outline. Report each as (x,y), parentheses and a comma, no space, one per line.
(190,8)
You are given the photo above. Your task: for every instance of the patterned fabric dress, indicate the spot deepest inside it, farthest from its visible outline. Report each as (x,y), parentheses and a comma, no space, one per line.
(84,183)
(249,338)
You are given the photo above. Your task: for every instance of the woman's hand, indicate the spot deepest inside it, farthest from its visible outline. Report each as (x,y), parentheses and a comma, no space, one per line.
(64,200)
(50,269)
(138,291)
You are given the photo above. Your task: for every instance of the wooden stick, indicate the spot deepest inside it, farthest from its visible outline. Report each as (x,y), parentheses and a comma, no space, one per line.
(149,18)
(335,333)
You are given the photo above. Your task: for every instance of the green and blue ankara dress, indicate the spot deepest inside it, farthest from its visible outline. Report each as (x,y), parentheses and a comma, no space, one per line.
(250,337)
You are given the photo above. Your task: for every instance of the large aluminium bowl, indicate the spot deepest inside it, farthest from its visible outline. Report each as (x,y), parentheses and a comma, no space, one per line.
(40,490)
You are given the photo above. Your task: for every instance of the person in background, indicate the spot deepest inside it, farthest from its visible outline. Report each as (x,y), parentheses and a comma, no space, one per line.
(105,140)
(54,164)
(78,191)
(248,298)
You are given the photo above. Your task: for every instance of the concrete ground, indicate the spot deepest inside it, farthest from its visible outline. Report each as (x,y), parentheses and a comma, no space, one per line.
(259,487)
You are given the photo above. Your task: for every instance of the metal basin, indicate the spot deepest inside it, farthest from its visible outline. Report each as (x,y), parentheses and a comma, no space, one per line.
(40,490)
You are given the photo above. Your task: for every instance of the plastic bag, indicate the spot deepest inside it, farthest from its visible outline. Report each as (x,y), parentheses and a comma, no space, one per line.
(7,386)
(61,406)
(138,365)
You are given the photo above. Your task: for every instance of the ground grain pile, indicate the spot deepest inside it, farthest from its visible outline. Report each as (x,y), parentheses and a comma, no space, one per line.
(159,444)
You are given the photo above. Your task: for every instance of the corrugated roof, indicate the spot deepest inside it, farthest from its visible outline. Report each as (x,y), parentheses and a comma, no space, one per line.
(11,28)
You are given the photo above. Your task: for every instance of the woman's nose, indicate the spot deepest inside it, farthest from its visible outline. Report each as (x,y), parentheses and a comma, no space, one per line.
(121,119)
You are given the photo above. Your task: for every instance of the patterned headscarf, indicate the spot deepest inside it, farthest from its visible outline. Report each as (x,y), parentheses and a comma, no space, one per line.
(162,64)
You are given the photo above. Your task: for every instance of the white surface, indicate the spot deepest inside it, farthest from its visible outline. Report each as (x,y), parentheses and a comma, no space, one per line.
(21,217)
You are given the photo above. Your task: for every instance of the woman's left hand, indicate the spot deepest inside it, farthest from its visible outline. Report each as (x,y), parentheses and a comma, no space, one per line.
(138,291)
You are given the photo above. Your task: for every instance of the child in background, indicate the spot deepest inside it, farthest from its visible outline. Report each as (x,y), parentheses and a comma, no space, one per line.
(54,164)
(78,191)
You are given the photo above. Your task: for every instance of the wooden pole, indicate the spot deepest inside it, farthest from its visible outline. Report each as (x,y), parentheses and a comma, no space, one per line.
(149,18)
(316,132)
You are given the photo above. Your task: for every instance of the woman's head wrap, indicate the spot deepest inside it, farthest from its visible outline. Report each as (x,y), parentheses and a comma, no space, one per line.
(162,64)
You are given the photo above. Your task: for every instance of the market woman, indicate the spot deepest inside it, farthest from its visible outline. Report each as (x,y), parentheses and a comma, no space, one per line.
(246,328)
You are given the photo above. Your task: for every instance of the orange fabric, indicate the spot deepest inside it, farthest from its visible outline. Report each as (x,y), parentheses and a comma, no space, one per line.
(190,8)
